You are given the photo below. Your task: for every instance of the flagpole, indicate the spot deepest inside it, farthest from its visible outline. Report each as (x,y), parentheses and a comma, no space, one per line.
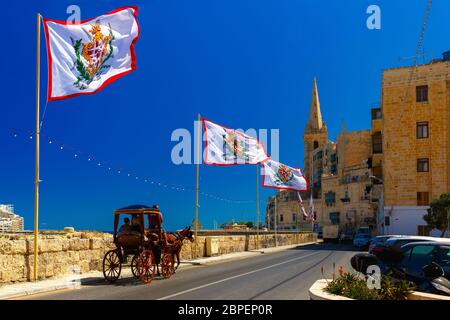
(197,173)
(36,181)
(276,223)
(257,207)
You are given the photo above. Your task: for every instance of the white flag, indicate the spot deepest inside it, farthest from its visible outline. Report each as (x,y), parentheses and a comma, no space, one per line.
(280,176)
(300,200)
(85,57)
(226,146)
(304,212)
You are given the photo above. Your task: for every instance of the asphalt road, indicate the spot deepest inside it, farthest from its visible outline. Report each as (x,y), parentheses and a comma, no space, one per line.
(283,275)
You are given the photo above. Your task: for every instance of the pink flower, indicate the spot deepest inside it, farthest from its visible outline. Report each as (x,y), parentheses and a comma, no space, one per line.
(341,270)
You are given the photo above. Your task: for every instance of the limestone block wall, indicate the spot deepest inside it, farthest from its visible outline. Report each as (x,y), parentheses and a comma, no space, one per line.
(401,147)
(84,251)
(58,255)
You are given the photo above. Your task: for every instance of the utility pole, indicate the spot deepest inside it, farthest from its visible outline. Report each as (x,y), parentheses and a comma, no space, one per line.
(275,221)
(197,173)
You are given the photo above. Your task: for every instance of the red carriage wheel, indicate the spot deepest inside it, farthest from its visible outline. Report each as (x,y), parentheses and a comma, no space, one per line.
(111,266)
(146,266)
(167,265)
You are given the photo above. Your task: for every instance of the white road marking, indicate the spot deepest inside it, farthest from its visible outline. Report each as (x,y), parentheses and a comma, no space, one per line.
(234,277)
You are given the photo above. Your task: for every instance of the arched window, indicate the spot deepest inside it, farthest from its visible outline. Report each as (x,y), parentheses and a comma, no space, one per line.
(316,145)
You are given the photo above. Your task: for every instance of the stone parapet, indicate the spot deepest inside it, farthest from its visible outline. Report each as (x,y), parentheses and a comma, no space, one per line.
(60,254)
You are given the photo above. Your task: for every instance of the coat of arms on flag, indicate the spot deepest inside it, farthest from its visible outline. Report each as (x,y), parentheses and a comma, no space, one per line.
(85,57)
(226,146)
(279,176)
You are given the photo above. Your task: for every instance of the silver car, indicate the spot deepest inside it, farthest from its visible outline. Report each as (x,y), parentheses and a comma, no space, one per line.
(380,240)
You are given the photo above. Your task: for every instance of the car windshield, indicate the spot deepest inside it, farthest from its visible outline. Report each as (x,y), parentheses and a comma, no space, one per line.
(362,236)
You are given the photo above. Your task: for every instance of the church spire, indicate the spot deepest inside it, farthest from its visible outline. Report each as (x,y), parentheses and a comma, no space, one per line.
(315,122)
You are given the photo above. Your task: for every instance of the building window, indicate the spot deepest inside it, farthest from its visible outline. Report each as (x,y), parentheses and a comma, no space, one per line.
(333,169)
(316,145)
(294,217)
(281,218)
(335,217)
(333,157)
(376,114)
(422,165)
(423,199)
(421,93)
(330,198)
(377,143)
(422,130)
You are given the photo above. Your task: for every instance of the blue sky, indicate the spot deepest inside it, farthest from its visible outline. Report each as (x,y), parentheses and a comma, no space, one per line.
(242,63)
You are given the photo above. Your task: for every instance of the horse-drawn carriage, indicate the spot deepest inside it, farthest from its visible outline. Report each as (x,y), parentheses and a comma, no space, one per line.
(143,245)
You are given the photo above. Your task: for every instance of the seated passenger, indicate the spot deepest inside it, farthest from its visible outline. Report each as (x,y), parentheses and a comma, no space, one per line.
(125,228)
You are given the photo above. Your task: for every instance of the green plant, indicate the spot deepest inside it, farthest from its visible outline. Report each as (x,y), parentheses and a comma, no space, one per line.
(437,216)
(393,289)
(352,286)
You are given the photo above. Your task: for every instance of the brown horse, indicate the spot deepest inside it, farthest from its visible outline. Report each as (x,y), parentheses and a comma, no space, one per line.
(173,244)
(175,241)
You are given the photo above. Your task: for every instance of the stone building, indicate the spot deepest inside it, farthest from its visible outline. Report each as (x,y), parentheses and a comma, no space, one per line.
(414,142)
(9,221)
(339,175)
(290,216)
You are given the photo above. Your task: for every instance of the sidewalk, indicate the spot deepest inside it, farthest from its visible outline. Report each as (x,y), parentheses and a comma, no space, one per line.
(76,281)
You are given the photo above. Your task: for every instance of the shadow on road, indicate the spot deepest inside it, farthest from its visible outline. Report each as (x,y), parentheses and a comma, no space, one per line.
(328,246)
(122,282)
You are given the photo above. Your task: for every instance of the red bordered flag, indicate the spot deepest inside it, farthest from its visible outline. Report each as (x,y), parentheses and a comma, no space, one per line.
(226,147)
(279,176)
(85,57)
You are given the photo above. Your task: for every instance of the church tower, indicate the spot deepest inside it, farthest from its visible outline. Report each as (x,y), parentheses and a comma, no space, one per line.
(314,137)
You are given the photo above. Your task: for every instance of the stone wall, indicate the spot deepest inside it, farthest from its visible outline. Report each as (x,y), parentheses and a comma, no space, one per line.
(58,254)
(401,147)
(84,251)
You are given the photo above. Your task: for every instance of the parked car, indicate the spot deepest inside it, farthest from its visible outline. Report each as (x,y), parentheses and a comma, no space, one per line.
(346,236)
(416,255)
(386,250)
(361,240)
(379,241)
(365,230)
(426,264)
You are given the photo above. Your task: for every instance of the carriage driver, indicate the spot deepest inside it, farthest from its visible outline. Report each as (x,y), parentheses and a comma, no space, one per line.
(156,224)
(136,224)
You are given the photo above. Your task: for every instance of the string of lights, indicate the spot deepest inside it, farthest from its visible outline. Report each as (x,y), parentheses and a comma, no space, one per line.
(107,165)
